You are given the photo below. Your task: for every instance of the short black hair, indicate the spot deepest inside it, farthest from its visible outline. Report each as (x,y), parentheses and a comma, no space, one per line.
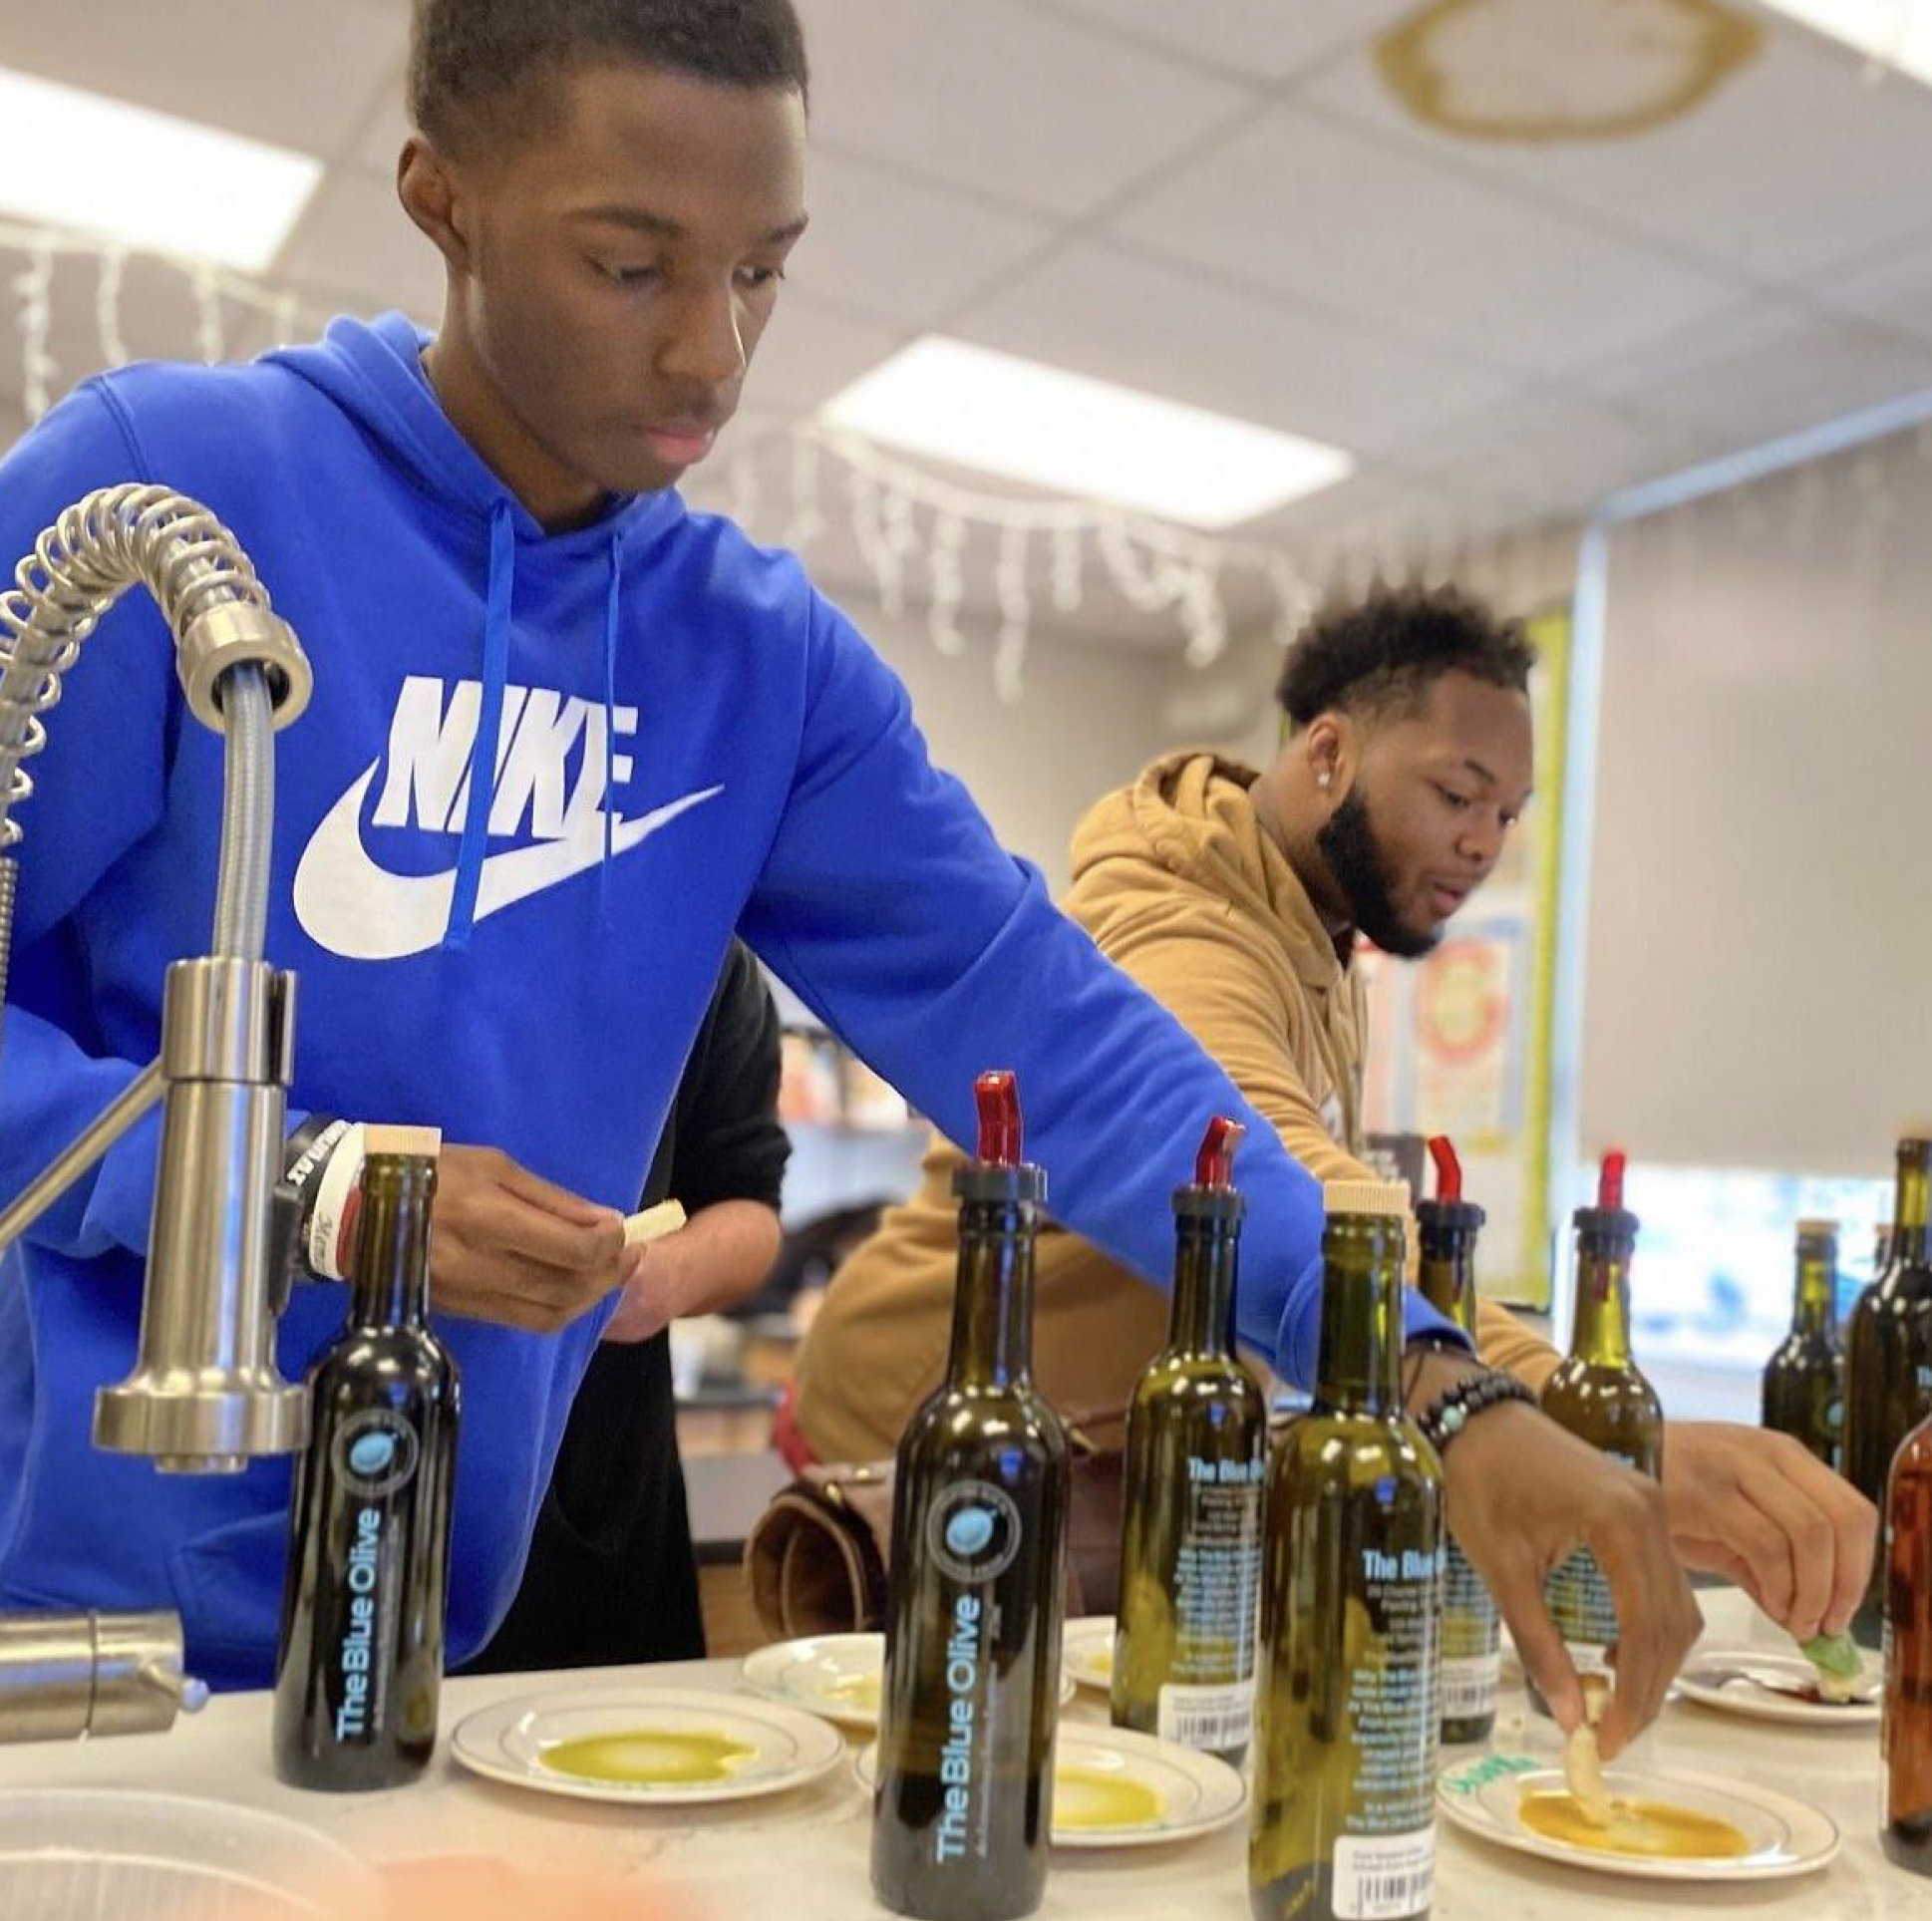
(1383,653)
(469,57)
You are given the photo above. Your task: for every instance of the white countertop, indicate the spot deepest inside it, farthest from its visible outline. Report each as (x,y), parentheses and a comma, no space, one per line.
(801,1856)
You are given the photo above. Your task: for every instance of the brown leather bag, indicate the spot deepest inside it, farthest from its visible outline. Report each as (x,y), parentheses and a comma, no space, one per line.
(816,1558)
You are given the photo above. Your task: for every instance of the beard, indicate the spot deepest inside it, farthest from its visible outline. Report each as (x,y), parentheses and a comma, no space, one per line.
(1359,868)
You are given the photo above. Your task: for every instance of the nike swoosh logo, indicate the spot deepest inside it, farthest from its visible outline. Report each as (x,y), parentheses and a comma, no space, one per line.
(355,908)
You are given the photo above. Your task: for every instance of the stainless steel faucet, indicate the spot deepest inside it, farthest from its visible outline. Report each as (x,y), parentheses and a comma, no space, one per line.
(205,1394)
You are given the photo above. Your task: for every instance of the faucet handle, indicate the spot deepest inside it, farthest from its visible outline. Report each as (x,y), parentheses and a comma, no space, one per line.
(206,1394)
(69,1675)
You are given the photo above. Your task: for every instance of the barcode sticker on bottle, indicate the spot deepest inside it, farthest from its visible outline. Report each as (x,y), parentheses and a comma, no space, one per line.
(1209,1719)
(1470,1686)
(1380,1878)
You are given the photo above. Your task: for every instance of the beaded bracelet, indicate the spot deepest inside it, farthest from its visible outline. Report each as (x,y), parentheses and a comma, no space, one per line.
(1451,1411)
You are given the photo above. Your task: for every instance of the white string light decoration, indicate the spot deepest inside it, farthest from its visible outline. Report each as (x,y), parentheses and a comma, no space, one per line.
(216,292)
(926,542)
(107,307)
(906,520)
(35,286)
(946,564)
(807,522)
(1016,613)
(210,336)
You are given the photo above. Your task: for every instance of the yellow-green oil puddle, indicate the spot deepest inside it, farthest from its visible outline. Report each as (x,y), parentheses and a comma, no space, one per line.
(650,1757)
(857,1690)
(1085,1798)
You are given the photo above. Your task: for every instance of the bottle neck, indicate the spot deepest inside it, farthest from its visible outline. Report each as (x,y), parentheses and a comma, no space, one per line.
(1446,1273)
(992,1296)
(1815,1308)
(1601,1334)
(391,1284)
(1360,1347)
(1207,1269)
(1908,1248)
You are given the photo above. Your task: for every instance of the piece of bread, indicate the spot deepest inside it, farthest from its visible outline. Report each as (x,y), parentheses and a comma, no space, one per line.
(1582,1762)
(653,1223)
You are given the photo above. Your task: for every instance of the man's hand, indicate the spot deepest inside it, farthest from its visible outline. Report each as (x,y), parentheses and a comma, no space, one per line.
(516,1249)
(1761,1509)
(1523,1497)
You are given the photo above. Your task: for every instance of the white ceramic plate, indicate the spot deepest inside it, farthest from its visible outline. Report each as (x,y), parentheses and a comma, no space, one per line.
(1087,1651)
(1712,1679)
(1785,1837)
(834,1675)
(1189,1794)
(509,1741)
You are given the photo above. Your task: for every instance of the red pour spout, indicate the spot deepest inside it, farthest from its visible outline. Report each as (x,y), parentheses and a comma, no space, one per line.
(1610,1180)
(1214,1165)
(1449,1170)
(997,1095)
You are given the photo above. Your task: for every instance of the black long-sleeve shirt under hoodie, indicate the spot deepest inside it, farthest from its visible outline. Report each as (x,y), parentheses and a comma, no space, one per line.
(611,1577)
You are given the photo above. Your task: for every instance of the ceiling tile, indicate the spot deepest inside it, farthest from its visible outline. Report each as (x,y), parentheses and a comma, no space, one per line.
(1001,98)
(1319,210)
(254,67)
(1892,287)
(880,245)
(809,353)
(1370,495)
(1253,40)
(1167,331)
(356,242)
(1796,160)
(1761,370)
(384,130)
(1547,452)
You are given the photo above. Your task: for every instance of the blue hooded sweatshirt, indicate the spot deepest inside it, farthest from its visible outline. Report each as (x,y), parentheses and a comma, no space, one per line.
(687,739)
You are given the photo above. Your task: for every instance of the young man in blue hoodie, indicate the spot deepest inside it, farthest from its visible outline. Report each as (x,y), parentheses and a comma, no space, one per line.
(478,537)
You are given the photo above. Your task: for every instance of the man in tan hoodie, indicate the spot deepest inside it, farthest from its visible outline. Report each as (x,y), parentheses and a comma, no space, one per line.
(1237,900)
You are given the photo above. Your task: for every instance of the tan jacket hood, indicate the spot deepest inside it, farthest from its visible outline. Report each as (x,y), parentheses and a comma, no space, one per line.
(1190,815)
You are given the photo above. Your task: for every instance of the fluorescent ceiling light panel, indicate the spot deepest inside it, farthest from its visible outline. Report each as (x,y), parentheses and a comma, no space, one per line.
(1897,32)
(148,180)
(1065,433)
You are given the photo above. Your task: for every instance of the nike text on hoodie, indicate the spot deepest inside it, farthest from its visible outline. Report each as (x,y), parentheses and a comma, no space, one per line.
(516,944)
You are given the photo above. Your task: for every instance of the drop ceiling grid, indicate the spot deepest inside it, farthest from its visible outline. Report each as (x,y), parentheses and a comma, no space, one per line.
(1089,180)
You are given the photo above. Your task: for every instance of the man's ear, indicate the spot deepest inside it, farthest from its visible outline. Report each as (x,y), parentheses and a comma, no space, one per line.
(1329,743)
(430,196)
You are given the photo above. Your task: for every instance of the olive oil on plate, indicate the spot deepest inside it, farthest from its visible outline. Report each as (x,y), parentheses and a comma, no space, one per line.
(1089,1800)
(1658,1831)
(1116,1788)
(650,1757)
(1667,1828)
(859,1691)
(647,1745)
